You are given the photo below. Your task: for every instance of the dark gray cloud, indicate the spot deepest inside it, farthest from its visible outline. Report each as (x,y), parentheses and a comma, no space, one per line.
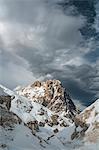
(39,40)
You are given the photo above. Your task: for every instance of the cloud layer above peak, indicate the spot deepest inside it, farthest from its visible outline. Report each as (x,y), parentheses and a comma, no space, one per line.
(38,40)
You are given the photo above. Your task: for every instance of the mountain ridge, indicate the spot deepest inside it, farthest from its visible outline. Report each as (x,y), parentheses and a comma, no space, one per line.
(47,126)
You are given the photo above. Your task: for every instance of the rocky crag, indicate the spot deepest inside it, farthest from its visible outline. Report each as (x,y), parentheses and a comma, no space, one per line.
(50,94)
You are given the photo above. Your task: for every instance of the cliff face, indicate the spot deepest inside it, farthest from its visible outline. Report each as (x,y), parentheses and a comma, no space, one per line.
(50,94)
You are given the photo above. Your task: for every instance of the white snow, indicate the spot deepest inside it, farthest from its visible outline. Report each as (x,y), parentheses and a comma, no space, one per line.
(21,138)
(6,90)
(31,92)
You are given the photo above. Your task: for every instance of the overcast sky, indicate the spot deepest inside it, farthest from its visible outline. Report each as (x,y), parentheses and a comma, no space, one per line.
(46,39)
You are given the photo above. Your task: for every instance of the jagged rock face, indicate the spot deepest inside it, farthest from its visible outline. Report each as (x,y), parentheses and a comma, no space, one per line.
(7,119)
(5,101)
(88,120)
(50,94)
(89,116)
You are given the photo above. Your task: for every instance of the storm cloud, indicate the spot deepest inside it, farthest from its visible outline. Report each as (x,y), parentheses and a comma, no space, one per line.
(41,40)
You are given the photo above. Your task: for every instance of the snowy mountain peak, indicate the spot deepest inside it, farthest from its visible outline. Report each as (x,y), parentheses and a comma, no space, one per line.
(50,94)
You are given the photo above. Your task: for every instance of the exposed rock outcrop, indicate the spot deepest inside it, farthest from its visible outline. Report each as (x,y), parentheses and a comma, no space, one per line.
(88,121)
(5,101)
(33,125)
(7,119)
(51,94)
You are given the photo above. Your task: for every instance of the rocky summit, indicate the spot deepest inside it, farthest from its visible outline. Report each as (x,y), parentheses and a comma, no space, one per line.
(50,94)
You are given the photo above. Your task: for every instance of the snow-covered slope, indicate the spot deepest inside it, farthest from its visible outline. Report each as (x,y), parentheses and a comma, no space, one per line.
(42,128)
(30,111)
(89,119)
(90,115)
(44,124)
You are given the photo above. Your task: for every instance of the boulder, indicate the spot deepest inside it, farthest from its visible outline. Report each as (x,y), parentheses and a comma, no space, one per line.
(33,125)
(54,119)
(5,101)
(56,130)
(36,84)
(41,124)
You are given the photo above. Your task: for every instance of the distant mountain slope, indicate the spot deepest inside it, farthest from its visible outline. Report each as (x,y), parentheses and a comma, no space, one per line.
(2,92)
(90,118)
